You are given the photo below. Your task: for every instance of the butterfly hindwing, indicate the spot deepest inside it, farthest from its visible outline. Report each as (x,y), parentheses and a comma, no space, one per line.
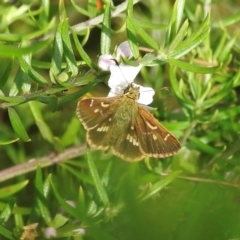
(128,147)
(155,140)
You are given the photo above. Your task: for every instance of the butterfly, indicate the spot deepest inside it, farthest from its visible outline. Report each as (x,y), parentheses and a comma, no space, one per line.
(125,127)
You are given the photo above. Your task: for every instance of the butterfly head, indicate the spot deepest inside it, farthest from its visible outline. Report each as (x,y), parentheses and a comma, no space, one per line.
(132,91)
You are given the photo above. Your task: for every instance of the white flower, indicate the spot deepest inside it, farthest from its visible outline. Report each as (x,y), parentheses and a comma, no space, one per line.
(124,50)
(123,75)
(50,232)
(79,231)
(105,61)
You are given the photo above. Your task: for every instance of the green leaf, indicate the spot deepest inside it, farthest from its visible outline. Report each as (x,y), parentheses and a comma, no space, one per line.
(68,208)
(192,41)
(6,233)
(47,186)
(59,220)
(8,208)
(81,203)
(195,86)
(92,8)
(132,39)
(97,181)
(236,79)
(17,125)
(176,20)
(2,142)
(70,133)
(105,42)
(13,100)
(149,25)
(6,65)
(220,44)
(57,52)
(178,88)
(44,14)
(193,67)
(178,14)
(62,10)
(227,49)
(223,92)
(20,80)
(11,189)
(67,47)
(32,73)
(232,19)
(12,50)
(149,40)
(79,9)
(159,185)
(61,79)
(82,52)
(78,94)
(186,46)
(179,37)
(18,37)
(42,126)
(106,175)
(41,200)
(202,146)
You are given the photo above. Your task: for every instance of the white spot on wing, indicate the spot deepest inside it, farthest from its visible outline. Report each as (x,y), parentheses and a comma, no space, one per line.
(91,104)
(166,138)
(132,140)
(103,129)
(150,126)
(105,105)
(154,137)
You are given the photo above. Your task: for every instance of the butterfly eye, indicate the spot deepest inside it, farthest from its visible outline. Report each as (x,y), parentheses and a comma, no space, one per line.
(126,90)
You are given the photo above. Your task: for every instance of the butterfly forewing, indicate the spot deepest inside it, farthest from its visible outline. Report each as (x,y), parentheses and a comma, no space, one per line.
(96,116)
(94,111)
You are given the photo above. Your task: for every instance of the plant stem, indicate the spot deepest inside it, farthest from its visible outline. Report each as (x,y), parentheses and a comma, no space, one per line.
(45,161)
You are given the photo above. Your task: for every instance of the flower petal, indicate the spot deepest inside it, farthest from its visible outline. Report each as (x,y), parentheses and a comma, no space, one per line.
(115,92)
(145,95)
(122,75)
(105,61)
(124,50)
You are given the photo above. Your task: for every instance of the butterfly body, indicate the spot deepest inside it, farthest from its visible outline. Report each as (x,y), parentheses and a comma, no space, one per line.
(125,127)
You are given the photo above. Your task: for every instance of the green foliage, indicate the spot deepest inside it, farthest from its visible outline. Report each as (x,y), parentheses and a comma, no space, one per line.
(56,188)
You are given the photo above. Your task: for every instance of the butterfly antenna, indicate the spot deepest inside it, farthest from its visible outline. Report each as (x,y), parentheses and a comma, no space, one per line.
(165,88)
(119,69)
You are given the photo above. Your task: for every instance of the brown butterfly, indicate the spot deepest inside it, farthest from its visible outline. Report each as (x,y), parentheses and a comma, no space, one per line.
(127,128)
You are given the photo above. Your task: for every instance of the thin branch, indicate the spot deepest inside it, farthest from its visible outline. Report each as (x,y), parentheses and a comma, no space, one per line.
(45,161)
(97,20)
(195,179)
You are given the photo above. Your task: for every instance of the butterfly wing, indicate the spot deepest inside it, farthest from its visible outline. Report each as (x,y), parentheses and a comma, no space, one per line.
(96,115)
(127,146)
(93,111)
(154,139)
